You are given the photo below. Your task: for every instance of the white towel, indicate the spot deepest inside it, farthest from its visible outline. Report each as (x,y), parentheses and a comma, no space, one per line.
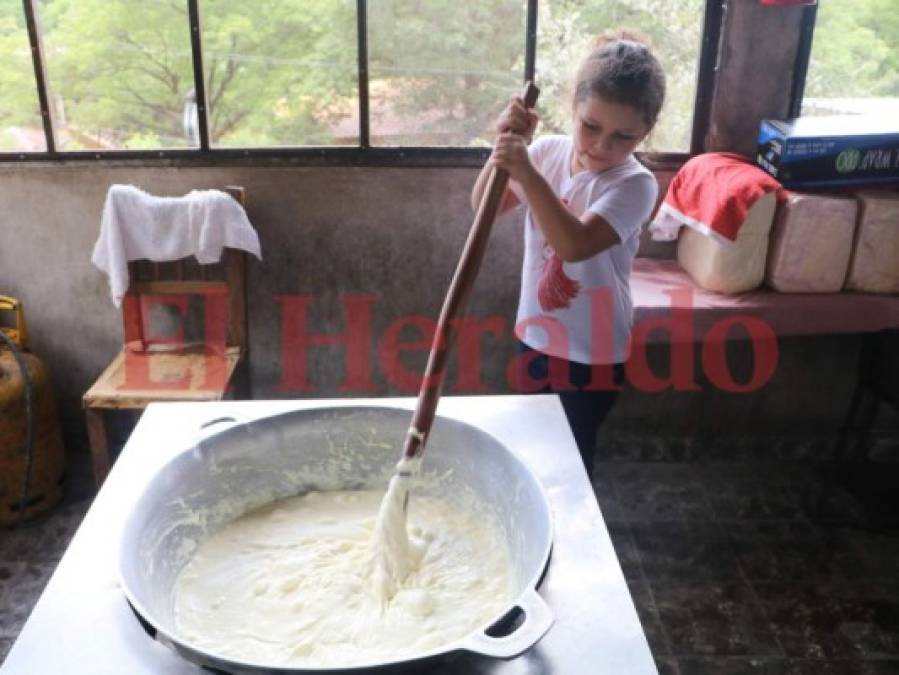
(666,225)
(137,225)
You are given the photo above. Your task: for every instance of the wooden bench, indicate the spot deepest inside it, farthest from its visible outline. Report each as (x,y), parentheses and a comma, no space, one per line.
(661,288)
(653,281)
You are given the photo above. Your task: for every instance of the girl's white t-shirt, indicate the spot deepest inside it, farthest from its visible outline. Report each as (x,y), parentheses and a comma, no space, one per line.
(582,311)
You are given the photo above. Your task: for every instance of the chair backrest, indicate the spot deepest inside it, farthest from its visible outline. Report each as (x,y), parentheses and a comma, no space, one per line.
(221,284)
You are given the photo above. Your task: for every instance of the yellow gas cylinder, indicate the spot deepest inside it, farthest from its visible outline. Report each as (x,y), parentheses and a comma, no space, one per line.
(42,480)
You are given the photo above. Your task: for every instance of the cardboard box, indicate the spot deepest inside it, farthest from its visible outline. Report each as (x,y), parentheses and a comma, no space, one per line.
(831,150)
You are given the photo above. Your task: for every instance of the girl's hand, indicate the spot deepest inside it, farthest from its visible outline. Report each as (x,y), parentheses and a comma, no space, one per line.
(517,119)
(511,154)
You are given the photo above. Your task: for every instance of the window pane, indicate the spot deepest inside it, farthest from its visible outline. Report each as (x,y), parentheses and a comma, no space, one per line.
(281,72)
(854,66)
(119,73)
(441,72)
(673,29)
(21,129)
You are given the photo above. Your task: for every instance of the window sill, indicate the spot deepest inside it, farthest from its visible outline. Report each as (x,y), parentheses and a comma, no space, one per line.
(412,157)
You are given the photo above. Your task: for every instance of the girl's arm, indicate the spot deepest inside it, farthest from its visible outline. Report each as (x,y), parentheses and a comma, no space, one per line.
(573,239)
(509,201)
(515,118)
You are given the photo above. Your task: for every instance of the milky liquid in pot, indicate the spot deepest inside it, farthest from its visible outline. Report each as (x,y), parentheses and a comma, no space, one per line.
(292,583)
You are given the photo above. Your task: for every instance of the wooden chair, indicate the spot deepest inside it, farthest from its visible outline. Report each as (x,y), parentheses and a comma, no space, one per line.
(169,367)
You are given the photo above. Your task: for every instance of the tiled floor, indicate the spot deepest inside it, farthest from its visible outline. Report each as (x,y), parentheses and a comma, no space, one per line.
(740,560)
(28,556)
(760,565)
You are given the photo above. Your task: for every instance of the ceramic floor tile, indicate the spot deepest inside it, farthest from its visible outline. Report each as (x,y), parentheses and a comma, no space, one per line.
(835,667)
(881,667)
(661,491)
(854,553)
(22,591)
(751,491)
(820,622)
(12,618)
(79,481)
(631,447)
(860,492)
(625,550)
(649,618)
(714,619)
(877,603)
(28,584)
(21,544)
(9,571)
(826,495)
(778,550)
(44,538)
(5,646)
(606,497)
(685,551)
(730,666)
(667,665)
(59,530)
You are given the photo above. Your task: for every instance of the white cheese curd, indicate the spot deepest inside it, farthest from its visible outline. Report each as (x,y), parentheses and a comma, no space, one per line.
(301,582)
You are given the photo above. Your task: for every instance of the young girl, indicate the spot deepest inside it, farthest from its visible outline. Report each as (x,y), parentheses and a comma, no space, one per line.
(587,198)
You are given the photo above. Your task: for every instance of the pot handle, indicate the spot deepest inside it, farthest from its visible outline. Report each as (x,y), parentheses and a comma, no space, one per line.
(214,426)
(538,617)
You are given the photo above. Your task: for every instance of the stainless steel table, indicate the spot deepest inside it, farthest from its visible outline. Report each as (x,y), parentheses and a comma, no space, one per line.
(83,625)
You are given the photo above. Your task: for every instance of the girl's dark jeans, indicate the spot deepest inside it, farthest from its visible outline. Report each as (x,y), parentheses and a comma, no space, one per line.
(587,392)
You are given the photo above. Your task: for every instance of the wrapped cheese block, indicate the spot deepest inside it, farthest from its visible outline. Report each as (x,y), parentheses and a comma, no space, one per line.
(726,266)
(874,266)
(811,242)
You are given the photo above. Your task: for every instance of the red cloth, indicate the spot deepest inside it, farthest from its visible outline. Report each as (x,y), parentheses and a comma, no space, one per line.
(713,192)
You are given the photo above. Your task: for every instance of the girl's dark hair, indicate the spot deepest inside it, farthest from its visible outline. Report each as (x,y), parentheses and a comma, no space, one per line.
(620,68)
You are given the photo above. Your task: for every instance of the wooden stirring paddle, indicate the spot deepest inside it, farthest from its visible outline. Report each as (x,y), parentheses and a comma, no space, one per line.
(394,554)
(456,299)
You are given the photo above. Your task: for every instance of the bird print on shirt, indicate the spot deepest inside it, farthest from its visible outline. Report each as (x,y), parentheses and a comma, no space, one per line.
(555,289)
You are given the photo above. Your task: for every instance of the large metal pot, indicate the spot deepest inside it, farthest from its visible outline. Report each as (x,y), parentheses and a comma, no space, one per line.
(250,464)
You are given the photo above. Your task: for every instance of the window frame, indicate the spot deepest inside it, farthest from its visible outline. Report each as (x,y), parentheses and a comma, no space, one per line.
(362,154)
(803,58)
